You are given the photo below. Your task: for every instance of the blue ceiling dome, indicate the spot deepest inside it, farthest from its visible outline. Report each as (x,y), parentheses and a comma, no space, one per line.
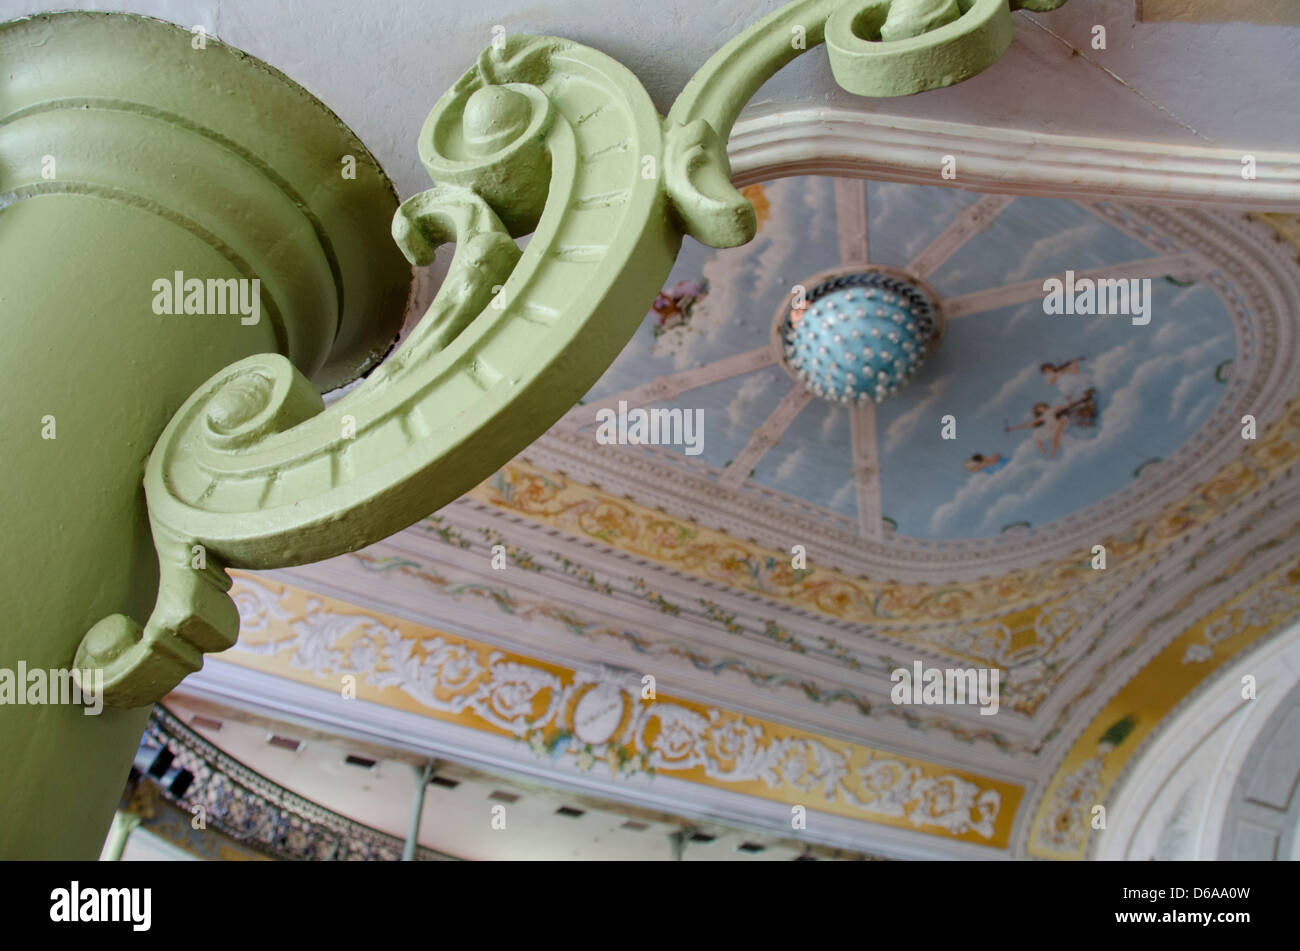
(861,335)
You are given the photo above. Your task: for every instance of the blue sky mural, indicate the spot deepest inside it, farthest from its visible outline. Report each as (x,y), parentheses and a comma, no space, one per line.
(1117,395)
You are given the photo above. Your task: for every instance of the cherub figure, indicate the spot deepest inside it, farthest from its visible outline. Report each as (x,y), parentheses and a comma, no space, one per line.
(1068,377)
(1050,422)
(674,305)
(978,462)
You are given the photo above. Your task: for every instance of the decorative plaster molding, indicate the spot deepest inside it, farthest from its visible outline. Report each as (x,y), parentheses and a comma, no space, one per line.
(1061,822)
(606,717)
(1197,755)
(830,141)
(273,696)
(1157,632)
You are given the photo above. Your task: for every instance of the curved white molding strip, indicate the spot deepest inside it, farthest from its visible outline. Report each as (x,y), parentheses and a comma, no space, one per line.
(1175,799)
(1006,161)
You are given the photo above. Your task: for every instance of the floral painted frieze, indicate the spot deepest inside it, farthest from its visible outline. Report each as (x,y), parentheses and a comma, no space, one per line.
(611,721)
(624,525)
(575,621)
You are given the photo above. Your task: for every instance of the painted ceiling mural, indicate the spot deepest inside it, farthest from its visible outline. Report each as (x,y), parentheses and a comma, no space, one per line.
(1117,395)
(601,564)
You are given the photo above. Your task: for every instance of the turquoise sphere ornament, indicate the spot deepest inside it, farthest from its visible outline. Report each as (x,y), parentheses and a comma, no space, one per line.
(859,335)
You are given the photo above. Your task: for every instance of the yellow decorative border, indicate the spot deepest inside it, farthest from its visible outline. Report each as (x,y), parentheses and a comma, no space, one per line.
(1037,606)
(316,640)
(1286,226)
(586,512)
(1062,822)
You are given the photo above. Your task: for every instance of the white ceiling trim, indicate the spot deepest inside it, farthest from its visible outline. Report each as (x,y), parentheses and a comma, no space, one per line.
(1194,753)
(1007,161)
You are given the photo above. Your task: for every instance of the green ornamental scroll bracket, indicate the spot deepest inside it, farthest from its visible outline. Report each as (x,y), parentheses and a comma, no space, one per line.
(541,136)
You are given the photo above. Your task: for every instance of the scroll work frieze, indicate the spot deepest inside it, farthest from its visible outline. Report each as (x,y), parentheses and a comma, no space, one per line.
(605,722)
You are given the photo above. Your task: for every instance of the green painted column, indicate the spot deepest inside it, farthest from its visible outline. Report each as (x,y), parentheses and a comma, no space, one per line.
(133,152)
(124,823)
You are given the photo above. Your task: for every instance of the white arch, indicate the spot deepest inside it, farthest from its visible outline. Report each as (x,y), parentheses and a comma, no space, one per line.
(1175,797)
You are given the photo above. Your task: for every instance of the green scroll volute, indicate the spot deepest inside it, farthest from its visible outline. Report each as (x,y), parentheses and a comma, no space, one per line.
(878,48)
(544,137)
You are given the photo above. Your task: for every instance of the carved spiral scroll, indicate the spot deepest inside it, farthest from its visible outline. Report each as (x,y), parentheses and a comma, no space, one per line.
(876,48)
(542,136)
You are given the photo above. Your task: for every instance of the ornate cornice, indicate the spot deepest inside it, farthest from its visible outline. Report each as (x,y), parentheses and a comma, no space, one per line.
(322,633)
(603,720)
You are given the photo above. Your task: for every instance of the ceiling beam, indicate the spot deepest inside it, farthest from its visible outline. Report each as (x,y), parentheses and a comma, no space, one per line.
(818,140)
(851,220)
(866,469)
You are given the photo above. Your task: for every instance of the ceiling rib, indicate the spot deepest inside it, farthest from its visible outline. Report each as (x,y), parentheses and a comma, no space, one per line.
(1179,266)
(866,468)
(965,226)
(672,385)
(851,220)
(765,437)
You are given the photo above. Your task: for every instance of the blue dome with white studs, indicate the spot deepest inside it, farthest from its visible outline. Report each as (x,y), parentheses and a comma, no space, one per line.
(860,336)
